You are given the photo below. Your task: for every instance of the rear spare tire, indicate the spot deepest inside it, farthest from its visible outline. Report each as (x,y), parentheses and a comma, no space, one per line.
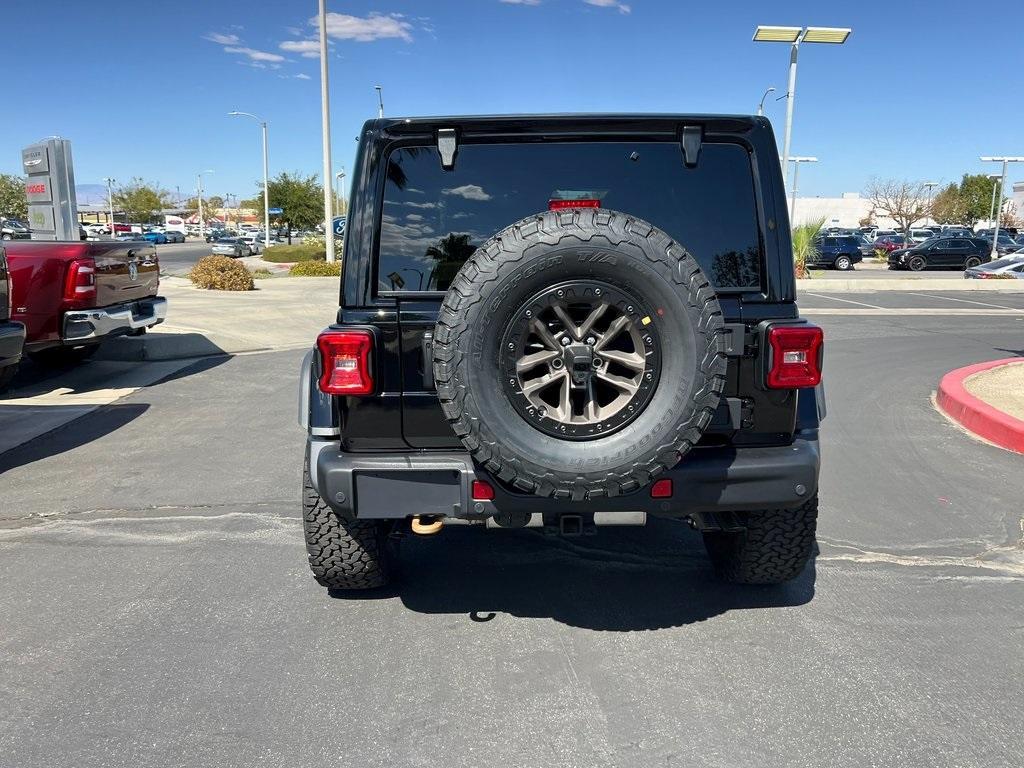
(578,353)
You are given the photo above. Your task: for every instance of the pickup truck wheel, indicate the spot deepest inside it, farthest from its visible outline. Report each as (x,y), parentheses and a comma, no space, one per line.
(343,554)
(774,548)
(578,355)
(59,357)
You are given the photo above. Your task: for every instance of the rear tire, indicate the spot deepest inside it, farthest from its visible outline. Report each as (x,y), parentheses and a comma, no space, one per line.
(972,262)
(343,554)
(775,547)
(843,262)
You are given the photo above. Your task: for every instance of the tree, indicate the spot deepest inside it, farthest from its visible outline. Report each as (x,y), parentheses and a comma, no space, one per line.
(140,201)
(300,197)
(211,205)
(976,197)
(13,203)
(1008,215)
(905,202)
(947,207)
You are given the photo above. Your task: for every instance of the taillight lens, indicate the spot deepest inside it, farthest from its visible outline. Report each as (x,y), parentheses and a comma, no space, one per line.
(481,490)
(80,283)
(795,356)
(345,362)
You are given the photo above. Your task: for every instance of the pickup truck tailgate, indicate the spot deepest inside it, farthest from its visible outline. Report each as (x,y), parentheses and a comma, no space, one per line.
(125,271)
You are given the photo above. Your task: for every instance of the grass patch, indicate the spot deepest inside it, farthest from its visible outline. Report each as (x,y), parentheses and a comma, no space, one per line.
(316,269)
(286,253)
(262,274)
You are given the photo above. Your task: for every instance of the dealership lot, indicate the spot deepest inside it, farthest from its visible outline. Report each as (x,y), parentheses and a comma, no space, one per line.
(159,607)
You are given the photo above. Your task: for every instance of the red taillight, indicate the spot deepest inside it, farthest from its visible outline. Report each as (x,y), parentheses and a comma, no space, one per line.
(561,205)
(662,489)
(482,491)
(80,283)
(795,356)
(345,362)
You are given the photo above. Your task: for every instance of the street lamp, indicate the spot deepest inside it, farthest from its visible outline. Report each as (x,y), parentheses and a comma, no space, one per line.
(992,205)
(796,160)
(325,128)
(199,197)
(266,182)
(929,185)
(1005,161)
(794,36)
(110,204)
(760,107)
(339,179)
(380,100)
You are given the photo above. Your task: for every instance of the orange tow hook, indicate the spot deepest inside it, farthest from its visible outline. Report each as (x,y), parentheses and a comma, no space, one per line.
(426,525)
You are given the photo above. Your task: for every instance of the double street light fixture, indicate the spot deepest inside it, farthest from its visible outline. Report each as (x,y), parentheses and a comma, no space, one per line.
(760,106)
(794,36)
(992,205)
(929,185)
(796,160)
(1005,161)
(266,180)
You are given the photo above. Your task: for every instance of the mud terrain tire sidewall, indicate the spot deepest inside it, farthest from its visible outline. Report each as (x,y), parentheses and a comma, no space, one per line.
(535,254)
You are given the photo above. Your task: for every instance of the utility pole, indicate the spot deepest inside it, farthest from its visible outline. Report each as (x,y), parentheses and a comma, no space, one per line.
(929,185)
(999,205)
(110,204)
(199,194)
(796,161)
(266,180)
(339,193)
(325,125)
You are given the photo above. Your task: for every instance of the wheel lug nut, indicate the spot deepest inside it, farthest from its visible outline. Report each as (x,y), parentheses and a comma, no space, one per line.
(591,340)
(565,341)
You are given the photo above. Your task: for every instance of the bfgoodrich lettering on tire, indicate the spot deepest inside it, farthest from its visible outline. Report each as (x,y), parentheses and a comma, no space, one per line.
(578,353)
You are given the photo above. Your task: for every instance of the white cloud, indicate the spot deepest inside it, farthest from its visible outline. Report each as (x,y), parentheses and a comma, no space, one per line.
(302,76)
(217,37)
(309,49)
(255,55)
(418,205)
(362,29)
(413,217)
(468,191)
(521,2)
(623,8)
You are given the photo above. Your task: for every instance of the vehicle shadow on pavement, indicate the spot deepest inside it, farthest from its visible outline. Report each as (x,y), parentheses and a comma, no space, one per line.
(618,580)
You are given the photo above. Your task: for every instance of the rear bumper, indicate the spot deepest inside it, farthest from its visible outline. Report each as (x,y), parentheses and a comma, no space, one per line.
(708,480)
(88,324)
(12,342)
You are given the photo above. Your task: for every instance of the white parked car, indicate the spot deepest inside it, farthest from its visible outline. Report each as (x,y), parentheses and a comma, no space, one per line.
(920,235)
(1011,265)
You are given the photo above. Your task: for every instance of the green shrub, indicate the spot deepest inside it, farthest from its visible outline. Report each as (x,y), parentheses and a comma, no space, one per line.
(280,254)
(804,249)
(262,274)
(316,269)
(221,273)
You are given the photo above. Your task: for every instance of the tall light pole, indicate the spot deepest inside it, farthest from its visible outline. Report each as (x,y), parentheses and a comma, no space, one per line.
(1005,161)
(992,205)
(266,180)
(929,185)
(796,160)
(110,204)
(380,100)
(325,120)
(339,179)
(760,107)
(794,36)
(199,197)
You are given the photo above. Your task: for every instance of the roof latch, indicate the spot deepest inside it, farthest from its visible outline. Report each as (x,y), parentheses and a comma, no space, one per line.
(692,137)
(447,147)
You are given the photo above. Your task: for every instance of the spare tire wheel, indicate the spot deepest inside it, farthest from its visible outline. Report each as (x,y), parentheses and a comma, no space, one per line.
(577,353)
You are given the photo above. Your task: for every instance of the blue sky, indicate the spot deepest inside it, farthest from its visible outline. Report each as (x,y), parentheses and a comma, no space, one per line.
(142,88)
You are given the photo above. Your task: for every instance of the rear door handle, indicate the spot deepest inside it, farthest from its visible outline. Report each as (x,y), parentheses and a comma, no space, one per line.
(427,349)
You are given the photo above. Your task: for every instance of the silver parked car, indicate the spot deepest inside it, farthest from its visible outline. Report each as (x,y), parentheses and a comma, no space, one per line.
(231,246)
(1011,265)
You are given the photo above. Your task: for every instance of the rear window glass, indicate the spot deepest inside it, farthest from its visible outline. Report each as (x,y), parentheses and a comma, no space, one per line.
(432,219)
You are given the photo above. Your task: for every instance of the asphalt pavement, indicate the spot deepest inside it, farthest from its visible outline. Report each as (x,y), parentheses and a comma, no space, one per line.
(179,258)
(158,611)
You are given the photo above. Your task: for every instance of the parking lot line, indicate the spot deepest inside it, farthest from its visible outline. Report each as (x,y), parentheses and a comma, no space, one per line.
(965,301)
(847,301)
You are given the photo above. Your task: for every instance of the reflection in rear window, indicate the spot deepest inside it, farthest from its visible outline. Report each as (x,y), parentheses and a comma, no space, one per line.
(432,219)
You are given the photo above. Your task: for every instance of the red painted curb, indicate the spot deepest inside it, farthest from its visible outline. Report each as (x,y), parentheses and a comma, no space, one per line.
(976,415)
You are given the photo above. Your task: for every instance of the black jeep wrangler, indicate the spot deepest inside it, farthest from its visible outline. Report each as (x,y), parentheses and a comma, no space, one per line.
(564,322)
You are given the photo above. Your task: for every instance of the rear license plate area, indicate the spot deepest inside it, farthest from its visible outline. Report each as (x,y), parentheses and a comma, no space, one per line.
(407,493)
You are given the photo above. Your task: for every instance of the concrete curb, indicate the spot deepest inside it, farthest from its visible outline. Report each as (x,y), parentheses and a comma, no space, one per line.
(854,285)
(975,415)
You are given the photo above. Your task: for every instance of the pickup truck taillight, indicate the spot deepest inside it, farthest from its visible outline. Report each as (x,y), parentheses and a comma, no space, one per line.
(794,356)
(345,362)
(80,283)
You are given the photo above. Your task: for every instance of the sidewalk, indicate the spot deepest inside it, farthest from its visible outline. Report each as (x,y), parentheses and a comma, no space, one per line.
(283,313)
(987,399)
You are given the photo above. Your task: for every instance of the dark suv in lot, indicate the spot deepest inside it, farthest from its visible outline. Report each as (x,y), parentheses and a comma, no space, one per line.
(942,253)
(836,252)
(564,322)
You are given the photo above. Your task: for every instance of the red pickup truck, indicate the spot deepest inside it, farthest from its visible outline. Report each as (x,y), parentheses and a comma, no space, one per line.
(12,334)
(70,296)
